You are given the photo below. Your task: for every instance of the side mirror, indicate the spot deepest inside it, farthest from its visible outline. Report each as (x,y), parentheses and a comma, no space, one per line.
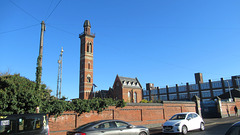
(189,118)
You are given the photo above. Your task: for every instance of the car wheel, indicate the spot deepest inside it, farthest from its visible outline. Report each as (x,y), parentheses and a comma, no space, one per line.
(142,133)
(184,130)
(202,126)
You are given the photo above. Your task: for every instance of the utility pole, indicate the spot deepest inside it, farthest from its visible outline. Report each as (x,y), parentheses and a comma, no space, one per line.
(39,59)
(59,81)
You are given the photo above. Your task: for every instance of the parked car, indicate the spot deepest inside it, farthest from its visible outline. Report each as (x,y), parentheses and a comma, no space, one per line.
(109,127)
(24,124)
(183,122)
(234,129)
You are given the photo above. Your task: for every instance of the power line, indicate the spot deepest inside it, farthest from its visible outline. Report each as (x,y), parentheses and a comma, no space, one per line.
(18,29)
(24,11)
(62,30)
(49,8)
(53,10)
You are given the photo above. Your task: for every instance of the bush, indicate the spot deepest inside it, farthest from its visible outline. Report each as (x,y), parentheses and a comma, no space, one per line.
(18,96)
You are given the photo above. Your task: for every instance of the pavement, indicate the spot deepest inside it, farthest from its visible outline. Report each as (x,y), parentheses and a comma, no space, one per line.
(208,122)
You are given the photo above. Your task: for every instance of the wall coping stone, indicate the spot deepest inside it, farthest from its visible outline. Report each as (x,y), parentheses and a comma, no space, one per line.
(179,102)
(144,104)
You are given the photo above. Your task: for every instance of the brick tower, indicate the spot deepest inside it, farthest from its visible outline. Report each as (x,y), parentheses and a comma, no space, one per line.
(86,62)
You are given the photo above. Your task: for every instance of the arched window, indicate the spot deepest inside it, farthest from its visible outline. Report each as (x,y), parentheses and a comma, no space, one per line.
(89,65)
(89,78)
(129,96)
(135,97)
(89,47)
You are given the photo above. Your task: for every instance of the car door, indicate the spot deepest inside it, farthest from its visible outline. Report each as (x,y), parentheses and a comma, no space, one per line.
(197,121)
(189,122)
(107,128)
(194,121)
(125,128)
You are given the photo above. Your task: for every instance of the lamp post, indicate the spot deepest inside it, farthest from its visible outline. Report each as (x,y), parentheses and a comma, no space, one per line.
(94,85)
(230,94)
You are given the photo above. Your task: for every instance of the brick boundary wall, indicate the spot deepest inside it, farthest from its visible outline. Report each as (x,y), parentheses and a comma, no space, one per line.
(229,108)
(146,114)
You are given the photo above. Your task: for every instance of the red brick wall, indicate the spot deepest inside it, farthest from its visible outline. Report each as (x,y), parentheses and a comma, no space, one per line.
(150,115)
(228,108)
(132,91)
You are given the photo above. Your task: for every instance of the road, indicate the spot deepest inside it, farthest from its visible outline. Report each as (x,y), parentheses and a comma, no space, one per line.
(216,126)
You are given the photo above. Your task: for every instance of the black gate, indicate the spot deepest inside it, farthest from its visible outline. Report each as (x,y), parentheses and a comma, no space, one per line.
(209,109)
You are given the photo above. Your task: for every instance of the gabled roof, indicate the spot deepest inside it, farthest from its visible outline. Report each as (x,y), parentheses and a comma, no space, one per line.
(129,82)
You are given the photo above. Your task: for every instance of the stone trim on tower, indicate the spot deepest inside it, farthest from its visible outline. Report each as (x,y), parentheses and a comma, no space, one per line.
(86,62)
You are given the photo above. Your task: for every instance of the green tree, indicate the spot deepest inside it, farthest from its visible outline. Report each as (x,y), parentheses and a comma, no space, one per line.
(18,95)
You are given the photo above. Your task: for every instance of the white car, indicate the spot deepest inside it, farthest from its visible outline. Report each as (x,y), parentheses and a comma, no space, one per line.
(183,122)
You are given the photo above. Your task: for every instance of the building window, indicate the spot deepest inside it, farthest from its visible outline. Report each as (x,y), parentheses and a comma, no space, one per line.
(217,84)
(206,94)
(89,47)
(183,96)
(205,86)
(145,92)
(182,88)
(89,78)
(172,96)
(163,91)
(89,65)
(154,98)
(163,97)
(129,96)
(193,87)
(154,92)
(172,90)
(192,94)
(135,97)
(217,92)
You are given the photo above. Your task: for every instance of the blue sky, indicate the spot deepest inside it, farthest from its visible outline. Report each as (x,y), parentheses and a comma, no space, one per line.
(158,41)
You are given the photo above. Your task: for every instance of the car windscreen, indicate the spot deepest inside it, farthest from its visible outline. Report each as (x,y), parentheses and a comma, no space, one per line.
(178,117)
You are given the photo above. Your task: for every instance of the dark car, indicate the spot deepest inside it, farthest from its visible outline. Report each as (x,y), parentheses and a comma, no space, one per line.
(234,129)
(109,127)
(24,124)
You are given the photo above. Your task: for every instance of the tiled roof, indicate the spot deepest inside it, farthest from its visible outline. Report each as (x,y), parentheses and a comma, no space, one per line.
(130,82)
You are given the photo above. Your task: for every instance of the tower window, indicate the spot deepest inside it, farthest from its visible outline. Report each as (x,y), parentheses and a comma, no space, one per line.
(89,65)
(89,78)
(89,47)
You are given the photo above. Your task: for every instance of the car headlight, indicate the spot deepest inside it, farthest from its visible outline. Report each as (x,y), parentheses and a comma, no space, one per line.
(178,124)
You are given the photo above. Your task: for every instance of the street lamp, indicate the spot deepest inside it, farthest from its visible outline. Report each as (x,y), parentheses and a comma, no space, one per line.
(230,94)
(94,85)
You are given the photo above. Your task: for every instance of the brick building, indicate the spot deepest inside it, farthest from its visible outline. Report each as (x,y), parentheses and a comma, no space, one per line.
(86,62)
(128,89)
(204,90)
(125,88)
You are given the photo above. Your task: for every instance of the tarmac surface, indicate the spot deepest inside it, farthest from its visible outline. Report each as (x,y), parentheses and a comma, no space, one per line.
(208,122)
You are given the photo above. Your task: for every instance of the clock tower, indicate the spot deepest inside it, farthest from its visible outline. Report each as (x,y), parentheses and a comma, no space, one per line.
(86,62)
